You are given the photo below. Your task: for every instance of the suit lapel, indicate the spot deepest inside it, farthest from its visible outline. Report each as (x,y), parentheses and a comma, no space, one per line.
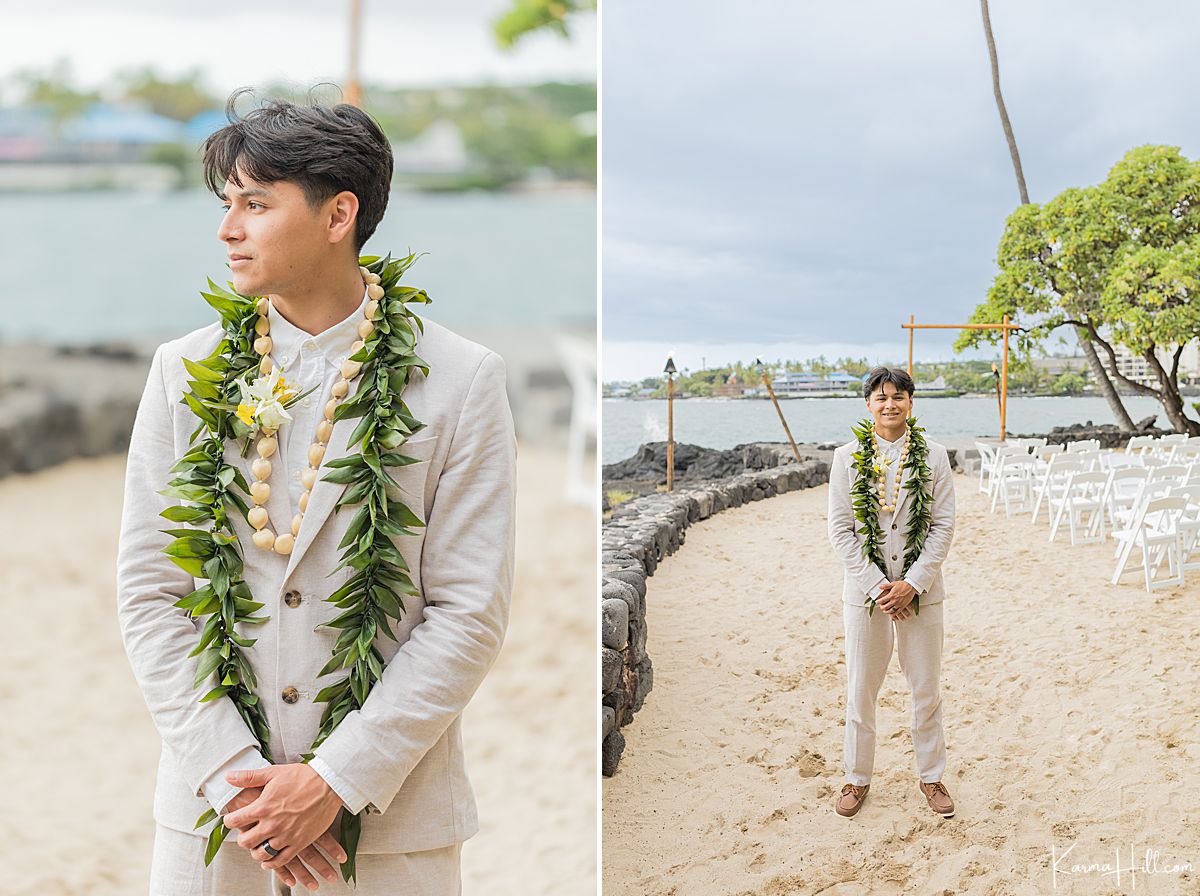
(325,495)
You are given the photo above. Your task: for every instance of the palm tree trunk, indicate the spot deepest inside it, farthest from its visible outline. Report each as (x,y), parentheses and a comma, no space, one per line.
(1004,122)
(1100,375)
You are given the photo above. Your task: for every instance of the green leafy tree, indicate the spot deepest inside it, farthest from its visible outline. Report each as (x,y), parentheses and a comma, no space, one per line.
(52,89)
(1067,383)
(527,16)
(179,98)
(1118,261)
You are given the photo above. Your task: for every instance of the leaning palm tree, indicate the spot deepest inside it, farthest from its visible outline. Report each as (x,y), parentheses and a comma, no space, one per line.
(1103,382)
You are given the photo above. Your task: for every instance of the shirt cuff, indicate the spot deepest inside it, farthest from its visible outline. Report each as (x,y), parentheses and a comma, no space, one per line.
(915,587)
(217,790)
(351,797)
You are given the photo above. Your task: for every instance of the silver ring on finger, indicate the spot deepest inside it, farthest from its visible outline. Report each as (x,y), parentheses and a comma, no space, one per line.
(269,849)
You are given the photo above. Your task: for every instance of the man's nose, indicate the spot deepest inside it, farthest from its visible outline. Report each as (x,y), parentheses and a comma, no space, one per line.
(229,228)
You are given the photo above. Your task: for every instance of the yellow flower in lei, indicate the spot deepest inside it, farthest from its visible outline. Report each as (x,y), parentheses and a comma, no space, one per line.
(264,402)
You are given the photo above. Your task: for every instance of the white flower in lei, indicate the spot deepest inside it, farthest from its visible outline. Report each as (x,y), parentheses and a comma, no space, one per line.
(264,402)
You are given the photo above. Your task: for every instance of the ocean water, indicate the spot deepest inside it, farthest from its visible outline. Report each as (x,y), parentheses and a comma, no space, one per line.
(723,423)
(80,267)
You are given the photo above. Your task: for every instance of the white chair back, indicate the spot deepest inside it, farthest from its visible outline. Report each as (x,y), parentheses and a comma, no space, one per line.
(1083,445)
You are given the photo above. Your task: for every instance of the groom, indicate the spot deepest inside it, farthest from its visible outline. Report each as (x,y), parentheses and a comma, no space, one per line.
(303,189)
(917,631)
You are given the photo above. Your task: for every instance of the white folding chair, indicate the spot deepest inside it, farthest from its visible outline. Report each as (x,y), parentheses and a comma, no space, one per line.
(987,466)
(1082,503)
(1042,457)
(1189,525)
(1014,483)
(1125,487)
(1164,446)
(1083,445)
(1186,454)
(1053,482)
(578,357)
(1155,532)
(1137,445)
(1174,474)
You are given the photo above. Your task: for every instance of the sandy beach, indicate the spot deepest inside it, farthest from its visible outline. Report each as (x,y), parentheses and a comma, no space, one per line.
(80,751)
(1071,716)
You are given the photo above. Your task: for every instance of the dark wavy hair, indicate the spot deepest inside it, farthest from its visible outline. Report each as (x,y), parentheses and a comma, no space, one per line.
(322,149)
(894,375)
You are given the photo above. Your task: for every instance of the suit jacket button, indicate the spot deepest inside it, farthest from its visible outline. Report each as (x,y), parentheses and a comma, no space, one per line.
(290,695)
(893,556)
(292,598)
(893,526)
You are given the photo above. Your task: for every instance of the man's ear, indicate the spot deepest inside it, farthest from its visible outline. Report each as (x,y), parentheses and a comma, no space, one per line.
(343,212)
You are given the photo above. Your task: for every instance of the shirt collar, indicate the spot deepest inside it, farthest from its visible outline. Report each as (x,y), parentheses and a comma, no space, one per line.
(287,340)
(882,441)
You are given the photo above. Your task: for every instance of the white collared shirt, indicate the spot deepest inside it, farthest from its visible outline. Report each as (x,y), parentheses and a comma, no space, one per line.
(306,361)
(891,451)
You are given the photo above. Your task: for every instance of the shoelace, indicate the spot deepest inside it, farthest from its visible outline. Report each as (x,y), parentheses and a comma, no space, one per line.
(850,788)
(937,787)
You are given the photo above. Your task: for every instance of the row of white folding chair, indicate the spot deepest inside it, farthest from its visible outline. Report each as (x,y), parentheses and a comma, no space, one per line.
(1101,498)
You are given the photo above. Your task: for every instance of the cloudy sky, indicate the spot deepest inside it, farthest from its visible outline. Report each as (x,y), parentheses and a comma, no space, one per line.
(791,179)
(302,41)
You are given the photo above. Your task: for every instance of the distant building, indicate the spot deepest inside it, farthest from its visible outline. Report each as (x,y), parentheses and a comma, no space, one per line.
(733,387)
(937,385)
(110,132)
(1138,369)
(25,134)
(1059,366)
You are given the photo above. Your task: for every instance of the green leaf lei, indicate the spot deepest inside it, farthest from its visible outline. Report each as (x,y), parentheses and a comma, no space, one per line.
(865,499)
(210,490)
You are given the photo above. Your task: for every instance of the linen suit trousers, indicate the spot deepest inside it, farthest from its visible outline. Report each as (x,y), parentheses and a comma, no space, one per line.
(177,869)
(869,640)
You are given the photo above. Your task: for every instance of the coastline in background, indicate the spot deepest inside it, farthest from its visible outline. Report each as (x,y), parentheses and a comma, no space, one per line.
(718,423)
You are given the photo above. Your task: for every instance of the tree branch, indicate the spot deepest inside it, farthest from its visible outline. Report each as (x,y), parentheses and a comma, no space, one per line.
(1112,357)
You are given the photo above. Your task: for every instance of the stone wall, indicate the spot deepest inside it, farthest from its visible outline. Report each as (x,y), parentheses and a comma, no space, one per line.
(60,403)
(641,533)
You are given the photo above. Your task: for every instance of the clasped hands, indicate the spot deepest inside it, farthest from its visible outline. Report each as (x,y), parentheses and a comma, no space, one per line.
(292,807)
(896,598)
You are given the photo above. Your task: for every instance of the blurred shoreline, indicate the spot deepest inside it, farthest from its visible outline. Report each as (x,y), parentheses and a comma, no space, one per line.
(60,402)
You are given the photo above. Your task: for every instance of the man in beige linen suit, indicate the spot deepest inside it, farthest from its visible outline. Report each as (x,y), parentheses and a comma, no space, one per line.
(870,635)
(304,189)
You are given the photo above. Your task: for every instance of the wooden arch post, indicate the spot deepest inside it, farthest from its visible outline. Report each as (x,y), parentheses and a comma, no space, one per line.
(912,326)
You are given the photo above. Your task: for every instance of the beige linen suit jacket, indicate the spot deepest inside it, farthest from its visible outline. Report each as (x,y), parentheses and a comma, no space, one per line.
(863,577)
(403,749)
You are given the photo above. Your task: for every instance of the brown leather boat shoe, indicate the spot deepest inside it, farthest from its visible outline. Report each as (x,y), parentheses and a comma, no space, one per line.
(938,798)
(851,800)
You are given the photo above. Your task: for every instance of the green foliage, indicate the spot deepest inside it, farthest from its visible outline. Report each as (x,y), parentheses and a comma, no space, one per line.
(180,98)
(527,16)
(1120,259)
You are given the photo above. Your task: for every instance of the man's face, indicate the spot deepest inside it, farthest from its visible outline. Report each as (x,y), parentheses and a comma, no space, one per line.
(283,242)
(890,406)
